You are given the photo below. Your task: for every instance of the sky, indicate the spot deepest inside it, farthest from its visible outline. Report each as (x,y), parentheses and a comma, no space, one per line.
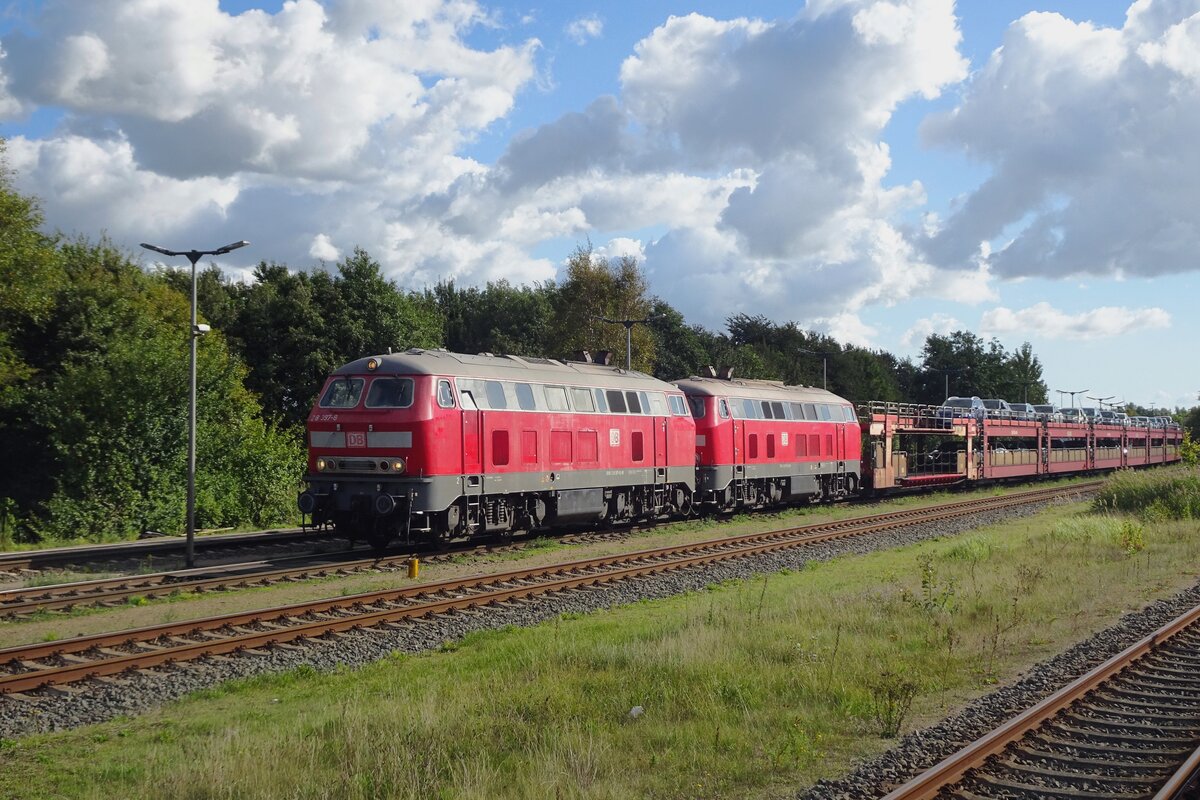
(877,170)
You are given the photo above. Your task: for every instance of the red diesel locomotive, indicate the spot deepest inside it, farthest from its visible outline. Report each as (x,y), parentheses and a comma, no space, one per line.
(763,443)
(431,444)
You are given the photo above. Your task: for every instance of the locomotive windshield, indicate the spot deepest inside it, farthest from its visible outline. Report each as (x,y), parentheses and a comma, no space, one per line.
(342,393)
(390,393)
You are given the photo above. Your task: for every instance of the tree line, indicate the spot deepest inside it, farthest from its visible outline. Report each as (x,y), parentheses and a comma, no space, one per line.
(93,368)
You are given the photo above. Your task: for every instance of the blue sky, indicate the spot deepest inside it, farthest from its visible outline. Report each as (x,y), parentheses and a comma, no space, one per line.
(876,169)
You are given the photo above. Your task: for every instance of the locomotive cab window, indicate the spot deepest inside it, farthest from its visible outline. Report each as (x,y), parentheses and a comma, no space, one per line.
(390,393)
(342,393)
(697,405)
(678,406)
(723,408)
(445,395)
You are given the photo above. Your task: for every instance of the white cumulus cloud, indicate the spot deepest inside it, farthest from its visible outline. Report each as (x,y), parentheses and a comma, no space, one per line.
(1042,319)
(1090,136)
(916,335)
(585,28)
(322,249)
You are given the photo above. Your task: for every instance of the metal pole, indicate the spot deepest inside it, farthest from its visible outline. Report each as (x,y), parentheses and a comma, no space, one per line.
(628,346)
(189,553)
(825,372)
(946,375)
(196,331)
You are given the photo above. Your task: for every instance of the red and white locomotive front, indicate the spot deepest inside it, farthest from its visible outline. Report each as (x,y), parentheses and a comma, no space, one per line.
(384,443)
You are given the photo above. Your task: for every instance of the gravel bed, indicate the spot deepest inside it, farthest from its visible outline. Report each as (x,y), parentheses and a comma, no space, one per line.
(922,749)
(52,710)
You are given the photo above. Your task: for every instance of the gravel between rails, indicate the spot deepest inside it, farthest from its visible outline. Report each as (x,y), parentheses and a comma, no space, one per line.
(54,710)
(922,749)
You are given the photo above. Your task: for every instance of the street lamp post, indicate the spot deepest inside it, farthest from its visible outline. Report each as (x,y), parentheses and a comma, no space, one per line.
(1101,400)
(946,372)
(1072,393)
(628,323)
(824,365)
(197,331)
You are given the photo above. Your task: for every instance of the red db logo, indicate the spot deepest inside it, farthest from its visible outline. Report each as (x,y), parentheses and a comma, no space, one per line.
(356,440)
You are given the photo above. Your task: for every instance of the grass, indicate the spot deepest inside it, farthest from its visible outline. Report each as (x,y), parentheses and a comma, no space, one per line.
(1171,493)
(748,689)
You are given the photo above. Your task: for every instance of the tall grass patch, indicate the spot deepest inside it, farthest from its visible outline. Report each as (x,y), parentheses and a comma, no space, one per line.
(1159,494)
(750,688)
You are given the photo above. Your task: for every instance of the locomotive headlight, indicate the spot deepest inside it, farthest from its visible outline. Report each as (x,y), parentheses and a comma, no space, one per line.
(323,464)
(398,465)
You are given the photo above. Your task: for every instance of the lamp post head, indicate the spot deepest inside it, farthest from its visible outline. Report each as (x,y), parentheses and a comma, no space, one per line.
(220,251)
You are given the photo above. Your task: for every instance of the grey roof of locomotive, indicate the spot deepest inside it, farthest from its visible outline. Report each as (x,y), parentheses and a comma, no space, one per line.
(761,390)
(503,367)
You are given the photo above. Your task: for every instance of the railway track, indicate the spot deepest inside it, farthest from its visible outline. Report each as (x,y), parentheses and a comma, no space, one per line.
(214,545)
(116,591)
(1130,728)
(101,656)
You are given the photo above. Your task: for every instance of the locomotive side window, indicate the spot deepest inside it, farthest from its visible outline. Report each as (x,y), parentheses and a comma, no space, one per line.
(582,399)
(810,411)
(445,395)
(342,393)
(735,408)
(678,406)
(525,399)
(797,411)
(631,398)
(849,411)
(616,401)
(390,393)
(556,398)
(468,400)
(764,407)
(823,408)
(723,408)
(658,404)
(601,403)
(697,405)
(778,409)
(495,395)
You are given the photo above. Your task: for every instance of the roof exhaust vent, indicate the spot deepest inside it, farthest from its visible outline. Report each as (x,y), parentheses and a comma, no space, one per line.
(604,357)
(585,356)
(710,371)
(726,373)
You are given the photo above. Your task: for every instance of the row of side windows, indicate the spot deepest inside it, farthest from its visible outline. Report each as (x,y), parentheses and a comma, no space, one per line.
(745,408)
(515,396)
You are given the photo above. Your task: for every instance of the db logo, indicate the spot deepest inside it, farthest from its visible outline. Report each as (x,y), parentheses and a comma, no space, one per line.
(356,440)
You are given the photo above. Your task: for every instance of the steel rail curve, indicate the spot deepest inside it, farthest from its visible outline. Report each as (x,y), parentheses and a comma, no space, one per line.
(971,763)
